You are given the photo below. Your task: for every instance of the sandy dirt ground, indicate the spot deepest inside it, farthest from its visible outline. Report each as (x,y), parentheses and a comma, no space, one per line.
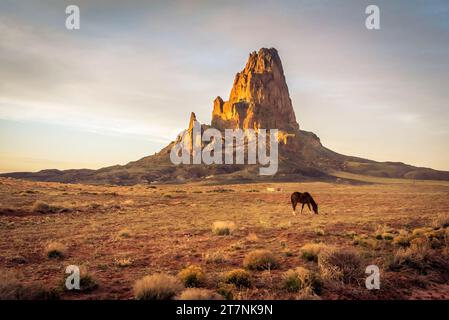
(121,234)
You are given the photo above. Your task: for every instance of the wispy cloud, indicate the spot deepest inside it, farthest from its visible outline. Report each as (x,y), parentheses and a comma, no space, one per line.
(137,69)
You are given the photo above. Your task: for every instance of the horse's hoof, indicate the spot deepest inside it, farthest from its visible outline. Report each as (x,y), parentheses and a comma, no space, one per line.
(294,213)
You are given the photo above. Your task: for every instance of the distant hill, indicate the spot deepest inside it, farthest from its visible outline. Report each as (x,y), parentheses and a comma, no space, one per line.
(259,99)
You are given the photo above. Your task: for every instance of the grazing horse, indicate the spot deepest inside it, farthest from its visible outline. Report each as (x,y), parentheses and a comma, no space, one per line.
(303,198)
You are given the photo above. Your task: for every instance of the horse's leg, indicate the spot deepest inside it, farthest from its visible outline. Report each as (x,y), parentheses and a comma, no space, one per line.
(294,207)
(308,205)
(302,207)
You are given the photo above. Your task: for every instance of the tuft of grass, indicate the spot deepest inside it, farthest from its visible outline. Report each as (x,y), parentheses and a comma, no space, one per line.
(157,287)
(199,294)
(340,264)
(301,278)
(12,288)
(260,259)
(124,233)
(387,236)
(436,234)
(226,290)
(310,251)
(319,232)
(223,228)
(384,232)
(94,206)
(252,237)
(215,257)
(123,262)
(307,294)
(192,276)
(365,241)
(87,281)
(238,277)
(421,231)
(44,208)
(441,221)
(220,190)
(402,240)
(415,256)
(55,250)
(351,234)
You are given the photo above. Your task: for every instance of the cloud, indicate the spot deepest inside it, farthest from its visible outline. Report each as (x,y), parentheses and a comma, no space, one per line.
(138,68)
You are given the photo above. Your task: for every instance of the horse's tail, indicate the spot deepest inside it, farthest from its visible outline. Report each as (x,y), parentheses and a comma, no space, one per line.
(314,204)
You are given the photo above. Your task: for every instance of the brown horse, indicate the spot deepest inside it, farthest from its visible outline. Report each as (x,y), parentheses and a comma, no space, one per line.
(303,198)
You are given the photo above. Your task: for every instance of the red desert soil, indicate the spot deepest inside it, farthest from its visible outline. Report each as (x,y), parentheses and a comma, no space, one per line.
(124,233)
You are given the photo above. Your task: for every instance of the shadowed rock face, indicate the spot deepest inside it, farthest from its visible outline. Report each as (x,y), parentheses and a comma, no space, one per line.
(259,97)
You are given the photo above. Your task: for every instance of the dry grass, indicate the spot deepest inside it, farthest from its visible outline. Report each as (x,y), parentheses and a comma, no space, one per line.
(123,262)
(307,294)
(415,256)
(199,294)
(402,240)
(252,237)
(55,250)
(310,251)
(421,231)
(340,264)
(124,233)
(226,290)
(13,288)
(301,278)
(44,208)
(167,234)
(216,257)
(87,281)
(260,259)
(238,277)
(192,276)
(441,221)
(223,228)
(157,287)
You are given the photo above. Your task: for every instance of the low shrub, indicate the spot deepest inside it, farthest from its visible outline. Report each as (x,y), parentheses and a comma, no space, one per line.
(192,276)
(238,277)
(199,294)
(223,228)
(340,264)
(300,278)
(55,250)
(157,287)
(260,260)
(310,251)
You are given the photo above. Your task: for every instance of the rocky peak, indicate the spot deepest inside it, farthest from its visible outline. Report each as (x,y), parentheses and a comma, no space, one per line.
(259,97)
(192,121)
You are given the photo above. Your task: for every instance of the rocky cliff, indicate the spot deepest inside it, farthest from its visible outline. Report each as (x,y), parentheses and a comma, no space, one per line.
(259,99)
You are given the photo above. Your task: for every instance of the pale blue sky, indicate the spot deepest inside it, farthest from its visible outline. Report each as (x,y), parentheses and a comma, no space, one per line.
(124,85)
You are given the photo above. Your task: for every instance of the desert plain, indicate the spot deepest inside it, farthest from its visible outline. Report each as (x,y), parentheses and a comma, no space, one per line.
(120,234)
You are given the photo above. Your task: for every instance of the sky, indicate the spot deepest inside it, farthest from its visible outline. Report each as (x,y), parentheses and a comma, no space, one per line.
(123,86)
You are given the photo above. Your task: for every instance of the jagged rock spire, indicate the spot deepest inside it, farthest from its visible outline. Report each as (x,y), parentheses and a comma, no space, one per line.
(259,97)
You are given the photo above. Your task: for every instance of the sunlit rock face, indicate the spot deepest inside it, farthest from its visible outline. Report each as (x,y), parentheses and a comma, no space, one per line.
(259,97)
(187,140)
